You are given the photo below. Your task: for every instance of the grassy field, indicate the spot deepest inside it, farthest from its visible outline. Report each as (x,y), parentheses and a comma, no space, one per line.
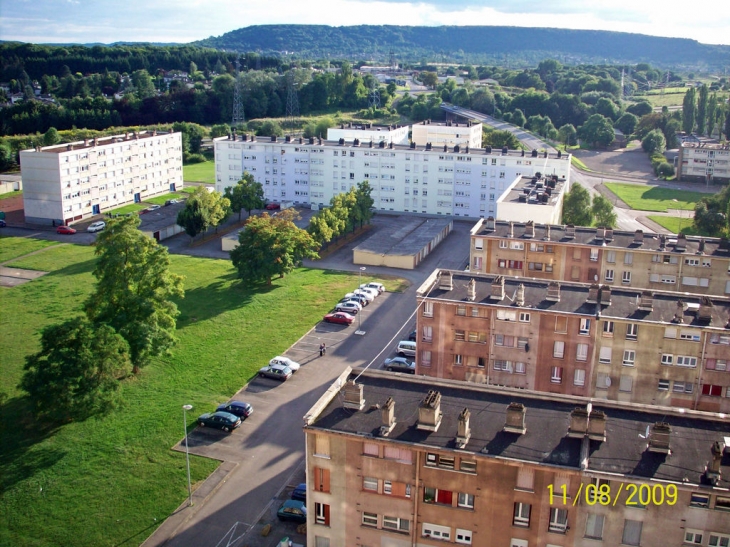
(654,198)
(129,208)
(160,200)
(13,194)
(677,224)
(578,163)
(112,480)
(13,247)
(200,172)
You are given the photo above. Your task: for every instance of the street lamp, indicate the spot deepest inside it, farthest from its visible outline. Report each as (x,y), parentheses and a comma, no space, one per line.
(359,283)
(187,454)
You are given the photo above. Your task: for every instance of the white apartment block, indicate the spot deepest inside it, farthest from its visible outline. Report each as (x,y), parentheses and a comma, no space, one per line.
(439,181)
(70,182)
(703,162)
(448,133)
(364,133)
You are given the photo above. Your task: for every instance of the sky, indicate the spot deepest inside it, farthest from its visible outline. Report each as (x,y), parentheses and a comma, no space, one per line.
(182,21)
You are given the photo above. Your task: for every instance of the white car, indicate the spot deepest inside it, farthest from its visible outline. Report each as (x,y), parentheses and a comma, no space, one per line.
(97,226)
(374,292)
(350,307)
(286,362)
(369,296)
(153,207)
(375,286)
(359,298)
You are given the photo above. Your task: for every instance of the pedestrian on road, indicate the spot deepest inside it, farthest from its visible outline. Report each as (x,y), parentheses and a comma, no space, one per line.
(322,349)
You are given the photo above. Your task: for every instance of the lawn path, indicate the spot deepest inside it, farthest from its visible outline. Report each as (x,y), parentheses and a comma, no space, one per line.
(32,253)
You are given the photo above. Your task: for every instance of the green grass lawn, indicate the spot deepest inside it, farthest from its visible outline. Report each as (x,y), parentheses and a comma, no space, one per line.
(578,163)
(13,194)
(655,198)
(677,224)
(200,172)
(112,480)
(188,189)
(126,209)
(160,200)
(13,247)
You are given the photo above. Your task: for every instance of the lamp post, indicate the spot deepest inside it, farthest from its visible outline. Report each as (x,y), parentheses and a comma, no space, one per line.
(359,283)
(187,454)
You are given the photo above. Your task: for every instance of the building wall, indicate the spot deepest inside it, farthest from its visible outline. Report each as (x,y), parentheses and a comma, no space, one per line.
(398,135)
(700,162)
(440,134)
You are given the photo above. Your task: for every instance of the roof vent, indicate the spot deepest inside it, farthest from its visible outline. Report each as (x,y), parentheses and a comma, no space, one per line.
(515,422)
(600,234)
(713,471)
(608,234)
(639,237)
(701,249)
(273,138)
(356,142)
(659,436)
(705,312)
(530,229)
(520,298)
(341,142)
(534,153)
(681,244)
(647,301)
(456,148)
(311,140)
(488,150)
(593,294)
(471,290)
(511,229)
(353,398)
(497,288)
(429,412)
(387,413)
(446,280)
(489,226)
(662,242)
(553,292)
(446,148)
(463,432)
(570,231)
(287,138)
(578,427)
(679,313)
(605,295)
(428,146)
(547,232)
(597,426)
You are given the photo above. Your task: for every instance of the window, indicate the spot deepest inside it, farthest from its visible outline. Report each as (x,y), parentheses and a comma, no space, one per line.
(561,324)
(692,536)
(722,503)
(626,383)
(611,257)
(585,326)
(468,466)
(626,278)
(603,381)
(465,500)
(632,532)
(322,514)
(667,359)
(475,310)
(712,390)
(663,385)
(682,387)
(579,377)
(581,352)
(628,258)
(699,500)
(632,331)
(609,276)
(720,339)
(435,460)
(402,455)
(604,355)
(556,375)
(520,368)
(608,328)
(321,541)
(524,317)
(506,315)
(461,310)
(322,446)
(478,243)
(719,540)
(558,520)
(427,334)
(321,480)
(525,479)
(458,359)
(629,358)
(594,255)
(686,361)
(459,335)
(689,335)
(397,524)
(428,309)
(521,516)
(370,449)
(594,526)
(716,364)
(435,531)
(577,253)
(463,536)
(558,349)
(370,483)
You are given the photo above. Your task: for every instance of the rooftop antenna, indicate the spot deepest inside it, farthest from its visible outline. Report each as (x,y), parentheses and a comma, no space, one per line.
(238,116)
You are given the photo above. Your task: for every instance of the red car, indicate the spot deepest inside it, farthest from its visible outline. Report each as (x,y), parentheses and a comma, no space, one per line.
(65,230)
(339,317)
(273,206)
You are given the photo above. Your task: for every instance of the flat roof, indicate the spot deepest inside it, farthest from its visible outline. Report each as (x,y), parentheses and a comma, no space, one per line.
(624,302)
(547,419)
(623,240)
(708,145)
(99,141)
(368,127)
(528,187)
(411,235)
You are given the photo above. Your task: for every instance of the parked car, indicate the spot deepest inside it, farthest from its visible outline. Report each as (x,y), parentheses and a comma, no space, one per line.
(219,420)
(97,226)
(348,307)
(339,317)
(368,290)
(277,372)
(65,230)
(375,286)
(273,206)
(285,361)
(237,408)
(293,510)
(366,294)
(3,224)
(171,201)
(153,207)
(359,297)
(406,349)
(300,492)
(400,364)
(412,336)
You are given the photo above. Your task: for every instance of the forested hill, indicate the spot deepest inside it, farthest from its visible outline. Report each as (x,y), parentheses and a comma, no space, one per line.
(477,44)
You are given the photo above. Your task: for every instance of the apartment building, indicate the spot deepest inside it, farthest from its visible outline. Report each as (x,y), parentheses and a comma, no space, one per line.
(69,182)
(624,344)
(366,133)
(401,461)
(452,181)
(447,133)
(704,162)
(600,255)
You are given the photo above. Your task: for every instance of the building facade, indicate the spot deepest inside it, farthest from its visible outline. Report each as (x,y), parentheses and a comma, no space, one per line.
(704,162)
(69,182)
(449,133)
(399,461)
(439,181)
(598,255)
(653,348)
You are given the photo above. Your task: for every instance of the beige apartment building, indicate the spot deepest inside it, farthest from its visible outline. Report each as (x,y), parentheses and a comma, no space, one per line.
(704,162)
(618,343)
(601,255)
(400,461)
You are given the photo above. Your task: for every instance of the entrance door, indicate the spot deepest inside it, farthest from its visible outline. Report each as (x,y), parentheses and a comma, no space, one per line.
(95,210)
(137,198)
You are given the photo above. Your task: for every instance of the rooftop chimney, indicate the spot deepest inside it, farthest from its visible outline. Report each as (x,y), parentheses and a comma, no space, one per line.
(530,229)
(489,225)
(662,242)
(353,396)
(387,413)
(511,229)
(639,237)
(273,138)
(520,297)
(701,249)
(679,313)
(597,426)
(515,422)
(287,138)
(600,233)
(463,432)
(446,280)
(429,412)
(547,232)
(605,298)
(497,288)
(647,301)
(570,231)
(659,436)
(578,427)
(681,244)
(593,294)
(553,292)
(608,234)
(471,290)
(705,312)
(713,471)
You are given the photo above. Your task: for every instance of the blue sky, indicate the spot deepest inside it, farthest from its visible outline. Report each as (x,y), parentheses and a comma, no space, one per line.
(85,21)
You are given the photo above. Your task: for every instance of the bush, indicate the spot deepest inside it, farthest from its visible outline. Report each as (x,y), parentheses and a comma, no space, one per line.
(665,170)
(193,158)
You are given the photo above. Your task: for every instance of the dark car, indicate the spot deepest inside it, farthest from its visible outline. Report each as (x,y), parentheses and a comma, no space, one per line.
(293,510)
(412,336)
(2,223)
(219,420)
(272,206)
(237,408)
(339,317)
(300,492)
(277,372)
(400,364)
(65,230)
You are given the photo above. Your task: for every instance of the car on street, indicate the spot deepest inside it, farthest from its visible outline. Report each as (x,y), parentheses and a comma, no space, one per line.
(285,361)
(339,317)
(65,230)
(237,408)
(348,307)
(375,286)
(273,206)
(219,420)
(277,372)
(412,336)
(153,207)
(3,224)
(400,364)
(293,510)
(358,297)
(300,492)
(171,201)
(97,226)
(366,294)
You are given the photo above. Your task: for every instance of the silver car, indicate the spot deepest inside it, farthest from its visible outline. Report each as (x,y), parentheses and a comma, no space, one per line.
(97,226)
(400,364)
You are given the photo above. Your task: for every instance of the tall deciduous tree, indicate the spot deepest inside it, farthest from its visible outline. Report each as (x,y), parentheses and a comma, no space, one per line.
(246,195)
(603,212)
(597,130)
(271,246)
(134,290)
(689,110)
(654,142)
(577,207)
(203,210)
(568,135)
(704,97)
(77,370)
(364,202)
